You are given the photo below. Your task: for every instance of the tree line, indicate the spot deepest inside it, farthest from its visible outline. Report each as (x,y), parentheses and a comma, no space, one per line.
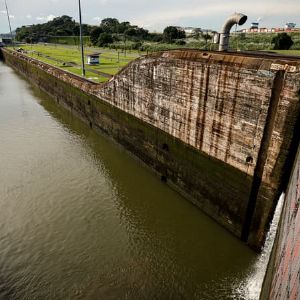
(61,26)
(110,30)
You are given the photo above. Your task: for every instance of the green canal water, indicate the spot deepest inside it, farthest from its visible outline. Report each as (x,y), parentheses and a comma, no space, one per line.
(82,219)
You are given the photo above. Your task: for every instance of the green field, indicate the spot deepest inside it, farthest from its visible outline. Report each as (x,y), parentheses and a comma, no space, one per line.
(288,52)
(69,59)
(259,41)
(68,40)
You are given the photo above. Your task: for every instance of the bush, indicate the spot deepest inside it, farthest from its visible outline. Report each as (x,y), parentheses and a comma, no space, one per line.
(156,37)
(296,45)
(206,37)
(95,33)
(136,45)
(172,33)
(282,41)
(105,39)
(180,42)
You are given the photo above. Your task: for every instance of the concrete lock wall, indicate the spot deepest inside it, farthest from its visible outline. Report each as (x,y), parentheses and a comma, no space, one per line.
(282,281)
(217,127)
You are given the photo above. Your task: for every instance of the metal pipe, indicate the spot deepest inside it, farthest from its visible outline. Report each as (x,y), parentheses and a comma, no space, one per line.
(81,40)
(236,18)
(8,19)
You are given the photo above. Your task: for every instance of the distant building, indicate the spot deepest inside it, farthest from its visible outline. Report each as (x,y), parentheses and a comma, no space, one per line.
(6,40)
(209,31)
(7,35)
(93,59)
(190,30)
(254,28)
(254,25)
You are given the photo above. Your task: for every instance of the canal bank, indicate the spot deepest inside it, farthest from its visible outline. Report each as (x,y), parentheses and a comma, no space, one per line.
(82,219)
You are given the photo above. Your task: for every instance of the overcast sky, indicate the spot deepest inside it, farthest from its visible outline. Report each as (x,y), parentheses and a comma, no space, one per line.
(153,14)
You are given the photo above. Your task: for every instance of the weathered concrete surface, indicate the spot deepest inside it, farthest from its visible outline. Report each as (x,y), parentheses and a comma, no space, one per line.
(218,127)
(282,281)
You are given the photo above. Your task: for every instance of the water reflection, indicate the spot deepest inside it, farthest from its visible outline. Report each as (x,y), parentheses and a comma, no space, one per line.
(165,239)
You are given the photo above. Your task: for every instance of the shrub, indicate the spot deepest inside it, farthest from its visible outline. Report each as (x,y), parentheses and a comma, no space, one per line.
(172,33)
(105,39)
(282,41)
(180,42)
(95,33)
(136,45)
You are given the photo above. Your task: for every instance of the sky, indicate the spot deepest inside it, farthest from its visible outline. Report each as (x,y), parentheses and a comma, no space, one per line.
(153,15)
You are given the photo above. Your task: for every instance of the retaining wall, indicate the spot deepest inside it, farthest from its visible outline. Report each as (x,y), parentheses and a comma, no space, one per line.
(282,281)
(220,128)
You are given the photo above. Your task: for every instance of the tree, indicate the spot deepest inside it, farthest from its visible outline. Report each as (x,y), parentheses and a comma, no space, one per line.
(110,25)
(123,26)
(155,37)
(197,33)
(206,36)
(130,32)
(172,33)
(95,33)
(61,26)
(180,42)
(282,41)
(105,39)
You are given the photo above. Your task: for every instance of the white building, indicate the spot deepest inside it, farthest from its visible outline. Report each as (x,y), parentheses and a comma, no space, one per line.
(190,30)
(93,59)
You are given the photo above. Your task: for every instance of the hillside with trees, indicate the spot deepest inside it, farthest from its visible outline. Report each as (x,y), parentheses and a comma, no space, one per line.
(61,26)
(109,32)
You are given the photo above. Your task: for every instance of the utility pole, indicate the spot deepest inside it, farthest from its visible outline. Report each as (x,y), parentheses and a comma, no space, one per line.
(8,19)
(81,40)
(124,44)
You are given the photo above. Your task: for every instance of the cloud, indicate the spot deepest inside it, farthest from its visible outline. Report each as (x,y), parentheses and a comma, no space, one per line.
(155,14)
(97,19)
(46,18)
(3,12)
(175,15)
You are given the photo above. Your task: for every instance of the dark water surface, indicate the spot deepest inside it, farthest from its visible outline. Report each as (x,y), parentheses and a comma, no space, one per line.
(81,219)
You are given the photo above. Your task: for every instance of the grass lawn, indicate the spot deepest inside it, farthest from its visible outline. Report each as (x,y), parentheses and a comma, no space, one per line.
(288,52)
(110,61)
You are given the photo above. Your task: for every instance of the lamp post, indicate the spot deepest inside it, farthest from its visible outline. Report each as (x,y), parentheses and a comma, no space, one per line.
(8,19)
(81,40)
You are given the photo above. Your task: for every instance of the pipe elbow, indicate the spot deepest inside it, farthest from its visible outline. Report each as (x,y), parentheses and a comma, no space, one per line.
(236,18)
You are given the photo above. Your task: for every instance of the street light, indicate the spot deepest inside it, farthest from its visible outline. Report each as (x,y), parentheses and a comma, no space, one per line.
(8,19)
(81,40)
